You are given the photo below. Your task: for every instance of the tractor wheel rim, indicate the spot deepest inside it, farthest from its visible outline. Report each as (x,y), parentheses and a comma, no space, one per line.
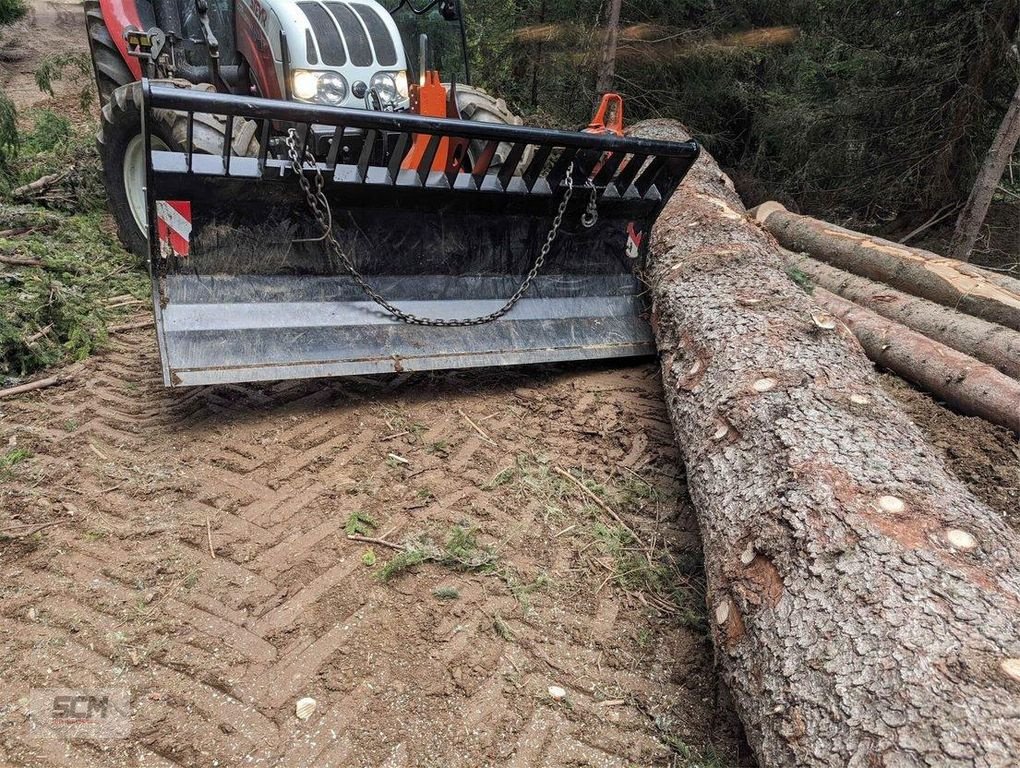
(134,177)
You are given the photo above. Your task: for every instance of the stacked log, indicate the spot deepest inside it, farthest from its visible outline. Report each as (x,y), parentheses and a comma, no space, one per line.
(988,342)
(921,273)
(949,327)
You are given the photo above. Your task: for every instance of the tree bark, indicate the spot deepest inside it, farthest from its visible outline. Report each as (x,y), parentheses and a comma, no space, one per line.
(966,384)
(865,606)
(607,67)
(949,282)
(968,225)
(990,343)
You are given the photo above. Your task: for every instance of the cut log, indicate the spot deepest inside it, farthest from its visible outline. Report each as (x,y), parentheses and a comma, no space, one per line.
(949,282)
(988,342)
(966,384)
(32,386)
(865,606)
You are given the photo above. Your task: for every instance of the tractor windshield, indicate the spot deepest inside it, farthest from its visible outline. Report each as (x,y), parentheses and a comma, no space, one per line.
(441,21)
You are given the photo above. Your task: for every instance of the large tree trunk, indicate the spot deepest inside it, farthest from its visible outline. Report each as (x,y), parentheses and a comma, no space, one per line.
(968,225)
(922,273)
(988,342)
(865,605)
(966,384)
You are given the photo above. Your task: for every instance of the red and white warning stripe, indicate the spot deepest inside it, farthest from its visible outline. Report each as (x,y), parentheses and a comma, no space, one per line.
(634,238)
(173,227)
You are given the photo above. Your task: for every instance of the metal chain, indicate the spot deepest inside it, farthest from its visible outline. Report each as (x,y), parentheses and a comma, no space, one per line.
(320,208)
(591,213)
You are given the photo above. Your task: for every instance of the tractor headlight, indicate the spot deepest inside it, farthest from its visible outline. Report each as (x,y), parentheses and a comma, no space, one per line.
(322,87)
(402,84)
(391,86)
(332,89)
(384,84)
(306,84)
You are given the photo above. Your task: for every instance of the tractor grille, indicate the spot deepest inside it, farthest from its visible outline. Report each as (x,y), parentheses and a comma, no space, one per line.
(353,30)
(385,52)
(330,44)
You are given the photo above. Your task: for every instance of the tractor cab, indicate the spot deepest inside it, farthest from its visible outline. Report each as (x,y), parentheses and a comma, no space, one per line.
(443,26)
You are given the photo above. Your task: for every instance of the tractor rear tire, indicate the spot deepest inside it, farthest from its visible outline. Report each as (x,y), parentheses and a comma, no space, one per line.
(121,148)
(111,70)
(478,106)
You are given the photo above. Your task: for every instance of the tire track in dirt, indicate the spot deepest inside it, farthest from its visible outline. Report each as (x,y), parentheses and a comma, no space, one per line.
(216,649)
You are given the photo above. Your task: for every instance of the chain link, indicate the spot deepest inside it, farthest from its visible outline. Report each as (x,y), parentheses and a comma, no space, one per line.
(323,214)
(591,213)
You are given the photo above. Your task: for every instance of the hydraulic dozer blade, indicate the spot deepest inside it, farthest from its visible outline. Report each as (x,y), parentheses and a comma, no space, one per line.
(245,288)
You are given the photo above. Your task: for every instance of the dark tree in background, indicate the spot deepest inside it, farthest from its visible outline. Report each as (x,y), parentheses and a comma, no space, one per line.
(864,109)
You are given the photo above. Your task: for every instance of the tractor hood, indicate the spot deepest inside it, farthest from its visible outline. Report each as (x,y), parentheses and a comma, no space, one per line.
(356,40)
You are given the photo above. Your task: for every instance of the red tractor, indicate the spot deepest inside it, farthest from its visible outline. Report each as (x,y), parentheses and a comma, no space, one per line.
(343,54)
(314,198)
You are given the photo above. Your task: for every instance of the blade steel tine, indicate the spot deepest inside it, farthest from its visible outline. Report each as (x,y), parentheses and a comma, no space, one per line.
(228,136)
(506,172)
(559,169)
(263,145)
(191,139)
(393,169)
(456,163)
(366,154)
(335,145)
(481,166)
(647,178)
(425,166)
(630,171)
(306,135)
(534,170)
(609,167)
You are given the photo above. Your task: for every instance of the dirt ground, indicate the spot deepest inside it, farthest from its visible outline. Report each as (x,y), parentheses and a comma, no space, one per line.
(195,551)
(199,559)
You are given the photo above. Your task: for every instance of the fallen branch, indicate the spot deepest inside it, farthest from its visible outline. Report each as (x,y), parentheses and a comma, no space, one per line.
(373,540)
(601,504)
(31,386)
(38,334)
(19,261)
(208,534)
(13,531)
(17,232)
(39,185)
(941,214)
(130,326)
(476,428)
(124,303)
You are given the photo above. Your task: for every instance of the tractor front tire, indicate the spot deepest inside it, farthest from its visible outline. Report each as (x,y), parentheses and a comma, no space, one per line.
(111,70)
(122,151)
